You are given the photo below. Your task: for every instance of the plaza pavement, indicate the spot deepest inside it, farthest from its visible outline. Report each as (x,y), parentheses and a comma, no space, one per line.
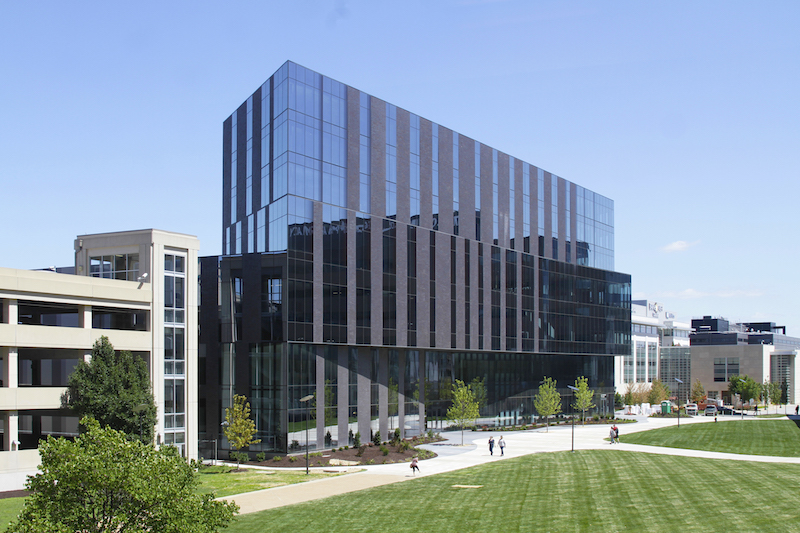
(452,456)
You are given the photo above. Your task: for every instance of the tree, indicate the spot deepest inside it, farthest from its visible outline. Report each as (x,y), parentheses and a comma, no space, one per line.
(548,401)
(658,392)
(478,386)
(698,393)
(114,389)
(239,427)
(465,408)
(583,397)
(105,482)
(774,392)
(744,386)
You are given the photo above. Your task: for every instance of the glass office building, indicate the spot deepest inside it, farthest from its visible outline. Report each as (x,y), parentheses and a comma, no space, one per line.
(371,257)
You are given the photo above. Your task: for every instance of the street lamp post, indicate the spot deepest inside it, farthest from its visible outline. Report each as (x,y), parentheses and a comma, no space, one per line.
(573,389)
(679,404)
(305,400)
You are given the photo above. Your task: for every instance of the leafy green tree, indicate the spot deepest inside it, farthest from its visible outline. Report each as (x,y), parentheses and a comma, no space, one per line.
(774,392)
(548,401)
(583,397)
(618,401)
(744,386)
(105,482)
(698,393)
(478,386)
(239,427)
(114,389)
(465,407)
(658,392)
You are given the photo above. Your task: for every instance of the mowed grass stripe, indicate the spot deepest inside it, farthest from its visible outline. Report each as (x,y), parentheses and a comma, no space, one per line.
(779,438)
(600,490)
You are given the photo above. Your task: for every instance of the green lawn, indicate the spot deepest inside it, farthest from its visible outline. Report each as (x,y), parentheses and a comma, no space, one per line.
(9,508)
(598,490)
(750,437)
(225,484)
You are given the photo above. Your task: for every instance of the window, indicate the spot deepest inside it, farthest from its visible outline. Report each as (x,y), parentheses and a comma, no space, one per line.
(119,266)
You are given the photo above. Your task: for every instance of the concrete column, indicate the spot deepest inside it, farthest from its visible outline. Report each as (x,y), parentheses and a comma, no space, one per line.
(383,393)
(364,393)
(11,435)
(11,311)
(85,316)
(321,400)
(10,367)
(401,391)
(342,398)
(422,398)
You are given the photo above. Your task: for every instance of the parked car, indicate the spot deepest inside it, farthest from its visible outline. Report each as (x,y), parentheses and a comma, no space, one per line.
(691,409)
(725,410)
(711,410)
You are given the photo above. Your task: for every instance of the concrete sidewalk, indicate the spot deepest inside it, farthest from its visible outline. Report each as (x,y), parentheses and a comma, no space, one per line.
(452,456)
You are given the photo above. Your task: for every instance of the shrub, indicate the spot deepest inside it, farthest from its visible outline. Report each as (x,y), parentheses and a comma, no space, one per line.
(328,438)
(350,436)
(384,450)
(396,437)
(370,461)
(357,440)
(261,457)
(361,449)
(277,458)
(292,459)
(376,438)
(295,445)
(315,454)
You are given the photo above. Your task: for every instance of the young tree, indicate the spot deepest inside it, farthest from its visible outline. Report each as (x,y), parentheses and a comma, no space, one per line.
(658,392)
(698,393)
(776,392)
(239,427)
(583,397)
(103,481)
(548,401)
(465,408)
(114,389)
(478,386)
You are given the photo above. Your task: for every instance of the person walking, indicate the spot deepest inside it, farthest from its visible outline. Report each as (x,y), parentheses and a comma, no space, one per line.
(797,410)
(491,445)
(502,445)
(414,465)
(616,434)
(612,434)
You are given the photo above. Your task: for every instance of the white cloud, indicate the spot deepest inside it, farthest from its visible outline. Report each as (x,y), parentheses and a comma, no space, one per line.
(679,246)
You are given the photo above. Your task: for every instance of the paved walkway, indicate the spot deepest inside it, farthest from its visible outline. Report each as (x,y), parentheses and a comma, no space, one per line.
(452,456)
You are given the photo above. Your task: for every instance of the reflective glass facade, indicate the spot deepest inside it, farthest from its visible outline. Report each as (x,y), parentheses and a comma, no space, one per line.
(398,256)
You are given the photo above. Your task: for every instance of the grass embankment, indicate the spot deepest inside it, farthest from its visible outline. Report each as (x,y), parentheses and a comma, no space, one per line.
(598,490)
(750,437)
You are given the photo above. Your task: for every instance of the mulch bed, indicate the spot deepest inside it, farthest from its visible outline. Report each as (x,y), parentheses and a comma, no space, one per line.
(14,494)
(370,455)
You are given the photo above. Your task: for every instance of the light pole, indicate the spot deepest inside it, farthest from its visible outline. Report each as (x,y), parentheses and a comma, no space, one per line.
(679,404)
(305,400)
(573,389)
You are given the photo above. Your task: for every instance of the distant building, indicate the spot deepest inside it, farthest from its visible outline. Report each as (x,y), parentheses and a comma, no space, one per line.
(139,289)
(653,330)
(760,350)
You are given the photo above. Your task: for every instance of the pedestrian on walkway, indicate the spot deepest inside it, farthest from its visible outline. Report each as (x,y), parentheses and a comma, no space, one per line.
(616,433)
(502,445)
(491,445)
(414,465)
(797,410)
(612,434)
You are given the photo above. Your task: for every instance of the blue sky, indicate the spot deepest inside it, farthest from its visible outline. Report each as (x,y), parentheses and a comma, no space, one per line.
(684,113)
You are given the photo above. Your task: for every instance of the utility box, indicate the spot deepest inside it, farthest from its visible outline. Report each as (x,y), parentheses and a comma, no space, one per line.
(666,407)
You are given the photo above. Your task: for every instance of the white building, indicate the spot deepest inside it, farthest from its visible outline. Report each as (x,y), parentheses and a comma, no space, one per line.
(139,289)
(652,328)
